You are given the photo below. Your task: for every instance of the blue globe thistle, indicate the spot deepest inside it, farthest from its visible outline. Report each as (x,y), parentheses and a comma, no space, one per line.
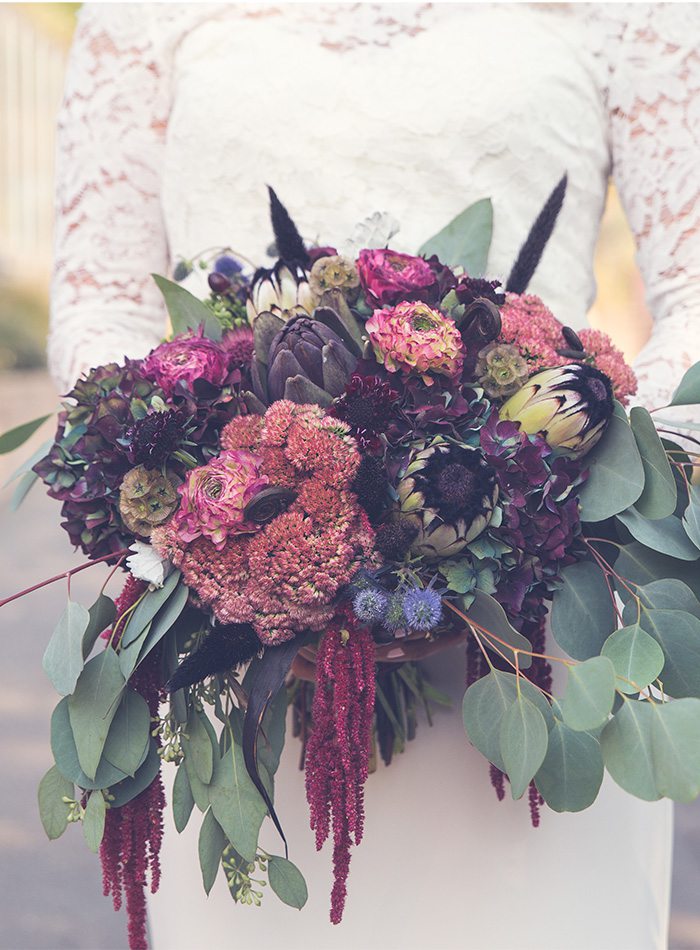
(227,265)
(370,604)
(422,608)
(395,618)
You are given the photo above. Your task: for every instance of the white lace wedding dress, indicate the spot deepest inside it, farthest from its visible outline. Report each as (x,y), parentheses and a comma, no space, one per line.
(175,119)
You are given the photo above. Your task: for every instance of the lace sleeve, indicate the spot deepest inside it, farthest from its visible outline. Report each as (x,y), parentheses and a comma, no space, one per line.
(109,232)
(654,107)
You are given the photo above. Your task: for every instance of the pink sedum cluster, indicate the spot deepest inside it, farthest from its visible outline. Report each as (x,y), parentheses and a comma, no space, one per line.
(283,579)
(214,496)
(415,338)
(529,324)
(185,358)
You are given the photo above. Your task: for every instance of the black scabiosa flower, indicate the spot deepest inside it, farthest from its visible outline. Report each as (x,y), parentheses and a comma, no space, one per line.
(152,440)
(367,405)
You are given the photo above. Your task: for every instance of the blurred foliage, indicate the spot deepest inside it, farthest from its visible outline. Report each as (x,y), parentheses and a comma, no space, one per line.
(55,19)
(23,327)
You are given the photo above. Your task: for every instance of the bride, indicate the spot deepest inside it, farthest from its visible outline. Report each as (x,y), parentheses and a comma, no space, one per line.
(175,118)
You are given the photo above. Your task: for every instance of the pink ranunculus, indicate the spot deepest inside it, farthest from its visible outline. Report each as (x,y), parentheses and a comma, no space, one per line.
(414,338)
(185,358)
(388,277)
(213,498)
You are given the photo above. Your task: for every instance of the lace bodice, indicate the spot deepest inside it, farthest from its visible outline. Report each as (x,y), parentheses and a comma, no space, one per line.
(177,115)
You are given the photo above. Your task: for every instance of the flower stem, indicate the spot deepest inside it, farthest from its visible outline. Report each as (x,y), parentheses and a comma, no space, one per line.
(65,574)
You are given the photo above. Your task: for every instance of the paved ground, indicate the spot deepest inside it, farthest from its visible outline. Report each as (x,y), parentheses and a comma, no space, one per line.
(50,893)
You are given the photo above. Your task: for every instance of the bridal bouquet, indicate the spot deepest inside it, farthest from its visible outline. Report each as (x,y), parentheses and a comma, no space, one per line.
(329,470)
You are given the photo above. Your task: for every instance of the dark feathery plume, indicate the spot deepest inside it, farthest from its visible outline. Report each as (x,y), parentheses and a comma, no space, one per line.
(226,647)
(290,247)
(533,248)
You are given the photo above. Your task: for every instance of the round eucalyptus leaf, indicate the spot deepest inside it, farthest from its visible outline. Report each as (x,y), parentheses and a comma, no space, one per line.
(678,635)
(53,788)
(641,565)
(128,737)
(637,658)
(688,392)
(668,593)
(626,743)
(523,740)
(129,788)
(486,702)
(583,612)
(66,754)
(616,474)
(570,776)
(590,690)
(287,881)
(691,517)
(658,498)
(666,535)
(676,747)
(489,614)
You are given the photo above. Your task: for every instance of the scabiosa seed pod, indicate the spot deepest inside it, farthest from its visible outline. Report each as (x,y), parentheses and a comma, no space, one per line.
(334,273)
(422,608)
(570,406)
(370,605)
(146,498)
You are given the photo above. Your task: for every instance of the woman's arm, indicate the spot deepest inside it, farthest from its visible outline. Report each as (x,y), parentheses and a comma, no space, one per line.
(109,229)
(654,107)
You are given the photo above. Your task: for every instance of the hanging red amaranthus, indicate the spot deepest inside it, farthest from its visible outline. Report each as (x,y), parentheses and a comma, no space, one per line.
(133,833)
(338,752)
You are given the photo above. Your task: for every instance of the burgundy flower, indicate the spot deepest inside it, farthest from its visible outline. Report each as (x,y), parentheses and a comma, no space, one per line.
(367,405)
(188,357)
(152,440)
(388,277)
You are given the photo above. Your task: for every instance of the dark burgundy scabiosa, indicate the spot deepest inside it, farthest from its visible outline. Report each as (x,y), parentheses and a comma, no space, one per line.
(371,486)
(152,440)
(394,539)
(239,345)
(469,289)
(368,405)
(338,751)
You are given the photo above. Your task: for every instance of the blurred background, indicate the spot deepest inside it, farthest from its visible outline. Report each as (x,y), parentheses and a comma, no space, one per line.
(50,893)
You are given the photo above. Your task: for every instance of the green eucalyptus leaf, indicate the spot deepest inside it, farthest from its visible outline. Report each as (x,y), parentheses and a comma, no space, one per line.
(92,707)
(489,614)
(94,821)
(641,565)
(124,791)
(183,802)
(667,593)
(149,606)
(616,474)
(626,744)
(638,659)
(678,423)
(102,614)
(66,754)
(688,392)
(570,777)
(129,655)
(676,747)
(287,881)
(486,702)
(678,635)
(466,240)
(691,517)
(523,739)
(29,463)
(13,438)
(22,489)
(197,746)
(212,842)
(590,690)
(236,803)
(164,620)
(658,498)
(665,535)
(63,659)
(53,811)
(186,311)
(583,612)
(130,733)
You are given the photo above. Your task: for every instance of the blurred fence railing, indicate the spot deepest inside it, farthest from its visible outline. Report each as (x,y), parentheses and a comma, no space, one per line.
(32,66)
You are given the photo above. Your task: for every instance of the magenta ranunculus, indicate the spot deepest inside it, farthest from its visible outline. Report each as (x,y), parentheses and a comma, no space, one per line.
(414,338)
(214,496)
(388,277)
(185,358)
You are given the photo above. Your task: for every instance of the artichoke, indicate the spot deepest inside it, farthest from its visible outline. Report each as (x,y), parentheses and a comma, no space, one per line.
(570,406)
(447,493)
(307,359)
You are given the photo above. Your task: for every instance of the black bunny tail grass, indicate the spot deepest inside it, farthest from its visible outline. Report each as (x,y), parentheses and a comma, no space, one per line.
(226,647)
(533,248)
(290,247)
